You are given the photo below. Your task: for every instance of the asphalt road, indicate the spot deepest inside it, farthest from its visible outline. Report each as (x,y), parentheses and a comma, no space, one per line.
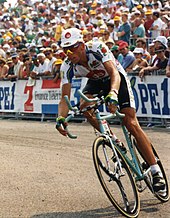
(46,175)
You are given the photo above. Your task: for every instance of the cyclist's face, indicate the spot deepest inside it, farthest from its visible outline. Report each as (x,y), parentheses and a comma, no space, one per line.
(73,52)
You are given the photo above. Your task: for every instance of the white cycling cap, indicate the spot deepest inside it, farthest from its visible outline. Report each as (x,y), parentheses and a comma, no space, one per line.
(70,37)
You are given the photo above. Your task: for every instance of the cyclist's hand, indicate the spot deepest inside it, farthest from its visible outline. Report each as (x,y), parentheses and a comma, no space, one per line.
(61,124)
(111,101)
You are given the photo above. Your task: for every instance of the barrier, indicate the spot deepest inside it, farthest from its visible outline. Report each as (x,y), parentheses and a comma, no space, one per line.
(152,98)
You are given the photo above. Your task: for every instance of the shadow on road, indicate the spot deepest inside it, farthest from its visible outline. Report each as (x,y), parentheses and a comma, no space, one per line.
(146,207)
(103,212)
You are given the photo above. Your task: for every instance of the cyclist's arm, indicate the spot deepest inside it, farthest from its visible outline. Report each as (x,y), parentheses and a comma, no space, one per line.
(62,107)
(114,75)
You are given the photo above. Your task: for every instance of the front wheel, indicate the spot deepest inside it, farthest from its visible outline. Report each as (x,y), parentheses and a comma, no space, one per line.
(116,178)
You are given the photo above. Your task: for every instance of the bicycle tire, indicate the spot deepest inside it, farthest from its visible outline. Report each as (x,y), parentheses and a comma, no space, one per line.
(121,190)
(147,180)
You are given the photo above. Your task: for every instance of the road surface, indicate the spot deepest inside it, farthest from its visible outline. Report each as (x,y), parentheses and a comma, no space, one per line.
(46,175)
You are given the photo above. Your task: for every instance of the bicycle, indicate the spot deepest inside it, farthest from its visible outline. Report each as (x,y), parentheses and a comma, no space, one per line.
(122,173)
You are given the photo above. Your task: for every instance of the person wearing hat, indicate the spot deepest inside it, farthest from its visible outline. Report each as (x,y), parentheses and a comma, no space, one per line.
(161,63)
(56,70)
(139,62)
(10,75)
(148,22)
(125,29)
(107,39)
(117,20)
(162,41)
(87,35)
(166,26)
(18,66)
(116,53)
(128,57)
(95,61)
(141,43)
(92,17)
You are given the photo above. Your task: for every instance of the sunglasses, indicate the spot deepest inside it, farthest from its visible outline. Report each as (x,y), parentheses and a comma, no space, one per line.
(13,58)
(71,49)
(47,53)
(158,52)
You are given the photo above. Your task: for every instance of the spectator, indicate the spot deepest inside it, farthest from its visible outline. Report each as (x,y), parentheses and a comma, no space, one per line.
(106,37)
(124,30)
(110,27)
(148,22)
(128,56)
(139,62)
(56,70)
(162,41)
(161,62)
(116,53)
(54,47)
(151,50)
(117,20)
(3,68)
(49,55)
(156,26)
(18,66)
(139,31)
(168,68)
(42,68)
(87,36)
(10,75)
(141,43)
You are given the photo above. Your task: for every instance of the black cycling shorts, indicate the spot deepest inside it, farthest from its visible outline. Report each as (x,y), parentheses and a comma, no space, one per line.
(125,95)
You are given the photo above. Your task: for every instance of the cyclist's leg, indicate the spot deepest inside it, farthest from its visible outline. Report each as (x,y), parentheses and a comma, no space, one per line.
(127,105)
(132,124)
(144,146)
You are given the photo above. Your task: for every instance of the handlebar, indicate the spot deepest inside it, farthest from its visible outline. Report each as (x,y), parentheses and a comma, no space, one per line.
(75,110)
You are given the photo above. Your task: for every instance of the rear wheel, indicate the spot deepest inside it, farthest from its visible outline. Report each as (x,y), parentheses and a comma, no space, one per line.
(116,178)
(148,178)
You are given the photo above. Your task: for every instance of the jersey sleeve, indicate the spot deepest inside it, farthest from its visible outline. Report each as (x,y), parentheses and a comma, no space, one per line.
(66,72)
(104,52)
(101,52)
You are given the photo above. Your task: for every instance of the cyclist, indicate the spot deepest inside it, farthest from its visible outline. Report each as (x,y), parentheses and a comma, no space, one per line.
(95,61)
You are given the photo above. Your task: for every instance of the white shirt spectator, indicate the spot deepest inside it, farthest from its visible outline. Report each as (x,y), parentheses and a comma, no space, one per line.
(157,32)
(50,64)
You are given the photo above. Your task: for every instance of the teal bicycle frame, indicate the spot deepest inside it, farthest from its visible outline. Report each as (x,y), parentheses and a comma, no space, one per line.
(133,163)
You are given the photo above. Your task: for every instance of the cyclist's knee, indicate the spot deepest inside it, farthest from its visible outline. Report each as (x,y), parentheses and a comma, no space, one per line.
(132,125)
(88,115)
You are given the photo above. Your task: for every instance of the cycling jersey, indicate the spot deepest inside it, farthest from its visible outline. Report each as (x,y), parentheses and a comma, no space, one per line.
(97,53)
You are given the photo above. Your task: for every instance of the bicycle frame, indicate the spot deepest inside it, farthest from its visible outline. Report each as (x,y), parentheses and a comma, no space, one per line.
(133,163)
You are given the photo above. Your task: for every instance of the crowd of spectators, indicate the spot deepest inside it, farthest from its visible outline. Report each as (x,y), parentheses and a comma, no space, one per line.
(137,33)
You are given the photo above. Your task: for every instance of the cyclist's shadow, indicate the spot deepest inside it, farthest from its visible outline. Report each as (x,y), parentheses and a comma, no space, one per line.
(109,212)
(102,212)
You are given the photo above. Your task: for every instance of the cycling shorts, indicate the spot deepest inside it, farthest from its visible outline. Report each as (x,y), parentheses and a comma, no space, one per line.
(125,94)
